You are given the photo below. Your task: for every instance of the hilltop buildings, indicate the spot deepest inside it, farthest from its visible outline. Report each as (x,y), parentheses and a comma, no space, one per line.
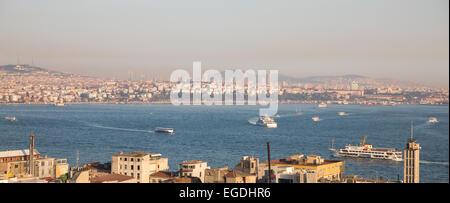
(28,85)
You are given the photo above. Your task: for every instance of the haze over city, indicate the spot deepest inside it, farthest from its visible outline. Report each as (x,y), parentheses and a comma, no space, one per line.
(383,39)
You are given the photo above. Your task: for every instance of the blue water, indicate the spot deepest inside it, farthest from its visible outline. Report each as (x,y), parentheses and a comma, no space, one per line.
(220,135)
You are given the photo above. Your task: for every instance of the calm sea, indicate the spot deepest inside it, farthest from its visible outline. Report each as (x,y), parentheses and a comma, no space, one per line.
(220,135)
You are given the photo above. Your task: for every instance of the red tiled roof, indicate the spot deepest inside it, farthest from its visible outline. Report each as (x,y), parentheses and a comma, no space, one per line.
(162,174)
(110,178)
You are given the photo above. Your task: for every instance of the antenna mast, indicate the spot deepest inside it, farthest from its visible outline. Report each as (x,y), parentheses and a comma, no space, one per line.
(412,130)
(78,158)
(268,158)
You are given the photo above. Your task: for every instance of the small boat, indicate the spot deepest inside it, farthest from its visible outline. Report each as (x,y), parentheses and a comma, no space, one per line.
(298,112)
(266,121)
(277,115)
(322,105)
(164,130)
(11,118)
(58,104)
(316,118)
(341,113)
(433,120)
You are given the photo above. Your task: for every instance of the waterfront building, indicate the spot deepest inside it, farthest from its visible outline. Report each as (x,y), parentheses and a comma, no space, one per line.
(237,176)
(61,167)
(356,179)
(216,175)
(162,176)
(194,168)
(249,165)
(313,168)
(44,167)
(139,165)
(17,155)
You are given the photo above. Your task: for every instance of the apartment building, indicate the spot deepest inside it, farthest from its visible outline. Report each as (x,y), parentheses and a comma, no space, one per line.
(139,165)
(194,168)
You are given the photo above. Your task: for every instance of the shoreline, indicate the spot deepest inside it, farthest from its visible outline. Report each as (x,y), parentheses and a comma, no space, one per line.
(164,102)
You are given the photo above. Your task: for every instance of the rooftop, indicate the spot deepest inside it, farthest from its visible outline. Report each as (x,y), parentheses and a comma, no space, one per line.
(111,178)
(236,173)
(137,154)
(193,162)
(289,161)
(163,174)
(14,153)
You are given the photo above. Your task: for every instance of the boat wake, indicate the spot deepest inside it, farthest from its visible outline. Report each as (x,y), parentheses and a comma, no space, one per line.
(121,129)
(434,162)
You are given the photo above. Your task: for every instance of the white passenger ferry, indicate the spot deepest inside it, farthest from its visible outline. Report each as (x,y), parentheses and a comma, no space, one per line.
(433,120)
(367,151)
(164,130)
(10,118)
(316,118)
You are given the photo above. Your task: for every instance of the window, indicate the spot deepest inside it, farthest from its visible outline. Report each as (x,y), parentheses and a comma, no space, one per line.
(138,175)
(132,174)
(125,166)
(120,166)
(138,167)
(138,160)
(132,167)
(131,159)
(125,159)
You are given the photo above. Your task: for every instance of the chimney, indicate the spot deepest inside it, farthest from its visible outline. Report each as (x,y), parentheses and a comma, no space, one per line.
(31,159)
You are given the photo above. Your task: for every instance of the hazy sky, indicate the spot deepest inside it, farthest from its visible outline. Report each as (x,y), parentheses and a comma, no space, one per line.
(406,40)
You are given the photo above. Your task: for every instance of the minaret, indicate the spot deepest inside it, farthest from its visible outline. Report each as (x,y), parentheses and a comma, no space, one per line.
(411,160)
(31,159)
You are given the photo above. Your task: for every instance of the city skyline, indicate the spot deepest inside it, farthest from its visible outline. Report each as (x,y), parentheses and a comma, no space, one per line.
(408,42)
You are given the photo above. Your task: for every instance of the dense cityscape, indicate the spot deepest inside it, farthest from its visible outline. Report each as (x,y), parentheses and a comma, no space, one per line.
(29,166)
(24,84)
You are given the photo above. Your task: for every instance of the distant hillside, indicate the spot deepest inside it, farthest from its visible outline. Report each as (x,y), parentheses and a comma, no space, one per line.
(22,69)
(25,68)
(318,79)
